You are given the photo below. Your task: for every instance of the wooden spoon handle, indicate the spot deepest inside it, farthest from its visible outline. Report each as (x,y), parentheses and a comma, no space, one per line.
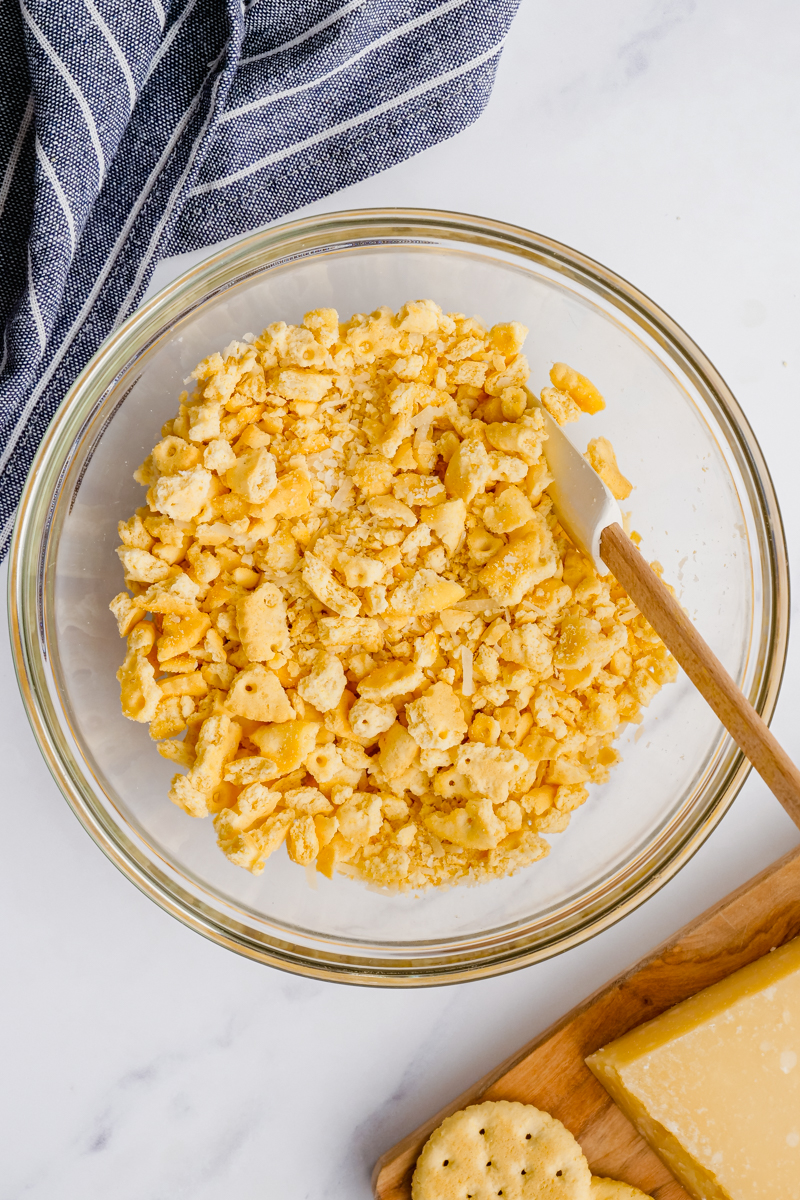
(702,666)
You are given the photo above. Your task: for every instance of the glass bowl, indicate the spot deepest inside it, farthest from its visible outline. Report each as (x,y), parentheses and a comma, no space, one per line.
(704,504)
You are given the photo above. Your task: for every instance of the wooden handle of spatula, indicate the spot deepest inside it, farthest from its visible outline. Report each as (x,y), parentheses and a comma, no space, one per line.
(706,672)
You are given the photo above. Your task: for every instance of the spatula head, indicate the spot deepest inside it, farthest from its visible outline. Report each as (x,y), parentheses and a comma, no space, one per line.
(583,503)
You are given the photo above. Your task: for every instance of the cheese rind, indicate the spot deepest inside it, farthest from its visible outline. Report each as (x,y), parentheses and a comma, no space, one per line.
(713,1084)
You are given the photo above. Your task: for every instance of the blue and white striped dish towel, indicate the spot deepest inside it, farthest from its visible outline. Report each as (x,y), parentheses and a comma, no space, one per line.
(135,129)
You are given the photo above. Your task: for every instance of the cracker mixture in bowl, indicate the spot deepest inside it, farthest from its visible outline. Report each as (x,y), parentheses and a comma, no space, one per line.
(348,591)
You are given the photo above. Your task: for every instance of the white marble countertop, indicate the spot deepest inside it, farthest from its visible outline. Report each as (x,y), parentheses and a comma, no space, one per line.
(144,1063)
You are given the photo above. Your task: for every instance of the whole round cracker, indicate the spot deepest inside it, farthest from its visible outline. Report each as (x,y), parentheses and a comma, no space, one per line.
(501,1148)
(612,1189)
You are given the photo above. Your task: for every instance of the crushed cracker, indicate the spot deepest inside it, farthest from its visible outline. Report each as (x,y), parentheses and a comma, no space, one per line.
(349,593)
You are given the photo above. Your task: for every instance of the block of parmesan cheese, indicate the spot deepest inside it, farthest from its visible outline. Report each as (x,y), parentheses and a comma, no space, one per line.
(713,1084)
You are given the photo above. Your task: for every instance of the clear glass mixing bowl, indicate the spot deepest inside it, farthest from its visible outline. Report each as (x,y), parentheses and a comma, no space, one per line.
(704,504)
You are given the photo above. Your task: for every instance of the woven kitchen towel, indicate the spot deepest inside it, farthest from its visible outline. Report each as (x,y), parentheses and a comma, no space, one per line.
(135,129)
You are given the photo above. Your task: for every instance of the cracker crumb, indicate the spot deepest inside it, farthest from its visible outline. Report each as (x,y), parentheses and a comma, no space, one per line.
(352,618)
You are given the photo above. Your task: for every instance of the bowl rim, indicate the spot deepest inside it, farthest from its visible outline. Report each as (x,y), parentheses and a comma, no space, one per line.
(26,583)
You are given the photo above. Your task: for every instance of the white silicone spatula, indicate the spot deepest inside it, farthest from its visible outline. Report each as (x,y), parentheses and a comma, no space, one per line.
(591,517)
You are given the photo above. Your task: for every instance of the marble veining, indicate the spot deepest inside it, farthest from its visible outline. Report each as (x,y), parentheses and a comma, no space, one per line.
(139,1061)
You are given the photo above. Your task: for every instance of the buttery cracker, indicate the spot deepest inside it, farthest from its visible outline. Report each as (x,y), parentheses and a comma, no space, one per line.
(612,1189)
(501,1148)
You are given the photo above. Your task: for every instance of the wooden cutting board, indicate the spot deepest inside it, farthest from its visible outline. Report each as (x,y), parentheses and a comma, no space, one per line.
(550,1071)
